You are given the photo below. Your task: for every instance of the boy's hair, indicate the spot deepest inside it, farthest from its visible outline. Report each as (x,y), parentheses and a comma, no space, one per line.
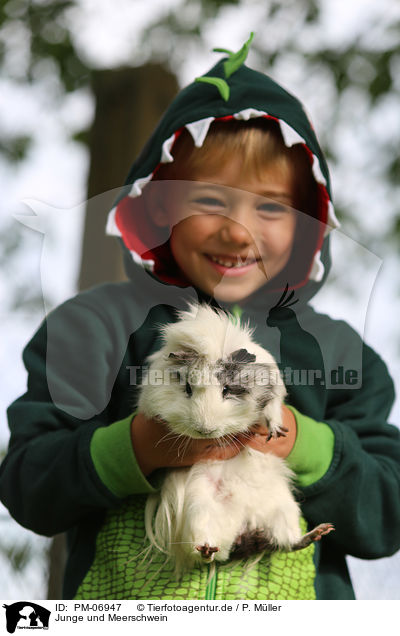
(258,142)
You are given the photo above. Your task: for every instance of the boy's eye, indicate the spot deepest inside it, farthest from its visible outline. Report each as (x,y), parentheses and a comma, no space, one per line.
(273,207)
(209,201)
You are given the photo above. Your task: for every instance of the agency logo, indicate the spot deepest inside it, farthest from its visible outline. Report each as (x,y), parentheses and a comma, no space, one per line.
(26,615)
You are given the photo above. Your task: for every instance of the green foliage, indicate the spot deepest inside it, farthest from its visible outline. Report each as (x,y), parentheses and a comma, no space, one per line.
(382,82)
(27,293)
(16,148)
(49,39)
(17,556)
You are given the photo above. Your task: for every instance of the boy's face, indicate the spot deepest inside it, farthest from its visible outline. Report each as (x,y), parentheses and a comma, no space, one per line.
(230,234)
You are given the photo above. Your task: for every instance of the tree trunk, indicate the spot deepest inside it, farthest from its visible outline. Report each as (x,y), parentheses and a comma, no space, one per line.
(57,558)
(129,103)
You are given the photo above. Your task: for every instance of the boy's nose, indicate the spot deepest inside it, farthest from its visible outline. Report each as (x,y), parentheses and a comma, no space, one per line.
(234,231)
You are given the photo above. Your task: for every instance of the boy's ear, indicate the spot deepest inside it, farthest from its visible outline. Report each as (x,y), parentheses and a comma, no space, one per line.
(159,217)
(156,207)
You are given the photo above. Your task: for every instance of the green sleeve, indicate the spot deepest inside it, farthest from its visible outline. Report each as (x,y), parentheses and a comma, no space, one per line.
(313,449)
(115,462)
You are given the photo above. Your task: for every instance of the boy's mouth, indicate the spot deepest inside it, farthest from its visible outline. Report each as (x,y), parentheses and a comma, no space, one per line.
(231,264)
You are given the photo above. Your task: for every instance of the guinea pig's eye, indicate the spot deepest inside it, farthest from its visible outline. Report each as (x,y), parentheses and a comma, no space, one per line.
(188,389)
(225,391)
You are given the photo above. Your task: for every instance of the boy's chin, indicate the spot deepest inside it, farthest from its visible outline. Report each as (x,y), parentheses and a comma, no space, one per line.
(233,294)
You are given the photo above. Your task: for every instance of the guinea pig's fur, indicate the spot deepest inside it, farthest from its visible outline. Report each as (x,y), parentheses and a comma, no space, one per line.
(211,380)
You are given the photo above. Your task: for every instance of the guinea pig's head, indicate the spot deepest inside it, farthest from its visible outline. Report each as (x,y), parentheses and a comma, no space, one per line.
(202,398)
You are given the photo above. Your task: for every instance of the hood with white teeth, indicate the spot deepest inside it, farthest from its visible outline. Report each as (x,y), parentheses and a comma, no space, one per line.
(252,95)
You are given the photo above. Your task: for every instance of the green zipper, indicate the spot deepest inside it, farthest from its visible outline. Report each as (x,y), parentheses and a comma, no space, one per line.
(236,312)
(211,586)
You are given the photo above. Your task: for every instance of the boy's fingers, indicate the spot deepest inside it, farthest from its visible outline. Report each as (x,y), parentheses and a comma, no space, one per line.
(222,452)
(260,429)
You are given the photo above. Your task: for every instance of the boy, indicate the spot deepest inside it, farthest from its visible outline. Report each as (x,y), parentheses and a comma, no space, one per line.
(229,203)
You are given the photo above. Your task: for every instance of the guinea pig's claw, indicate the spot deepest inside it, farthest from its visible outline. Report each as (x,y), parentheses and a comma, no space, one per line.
(281,431)
(207,551)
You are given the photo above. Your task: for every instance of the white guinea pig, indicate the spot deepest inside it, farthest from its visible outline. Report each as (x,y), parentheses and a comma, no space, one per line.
(211,380)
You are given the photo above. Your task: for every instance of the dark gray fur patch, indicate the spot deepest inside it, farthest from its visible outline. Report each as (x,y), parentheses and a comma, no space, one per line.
(229,373)
(237,390)
(185,357)
(262,400)
(242,356)
(251,542)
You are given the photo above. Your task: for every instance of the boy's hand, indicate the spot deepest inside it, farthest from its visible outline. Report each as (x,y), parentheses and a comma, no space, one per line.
(280,446)
(155,447)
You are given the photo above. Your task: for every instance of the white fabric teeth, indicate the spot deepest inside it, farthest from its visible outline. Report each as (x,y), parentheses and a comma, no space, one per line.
(138,186)
(290,136)
(199,129)
(147,264)
(166,156)
(332,222)
(317,269)
(111,227)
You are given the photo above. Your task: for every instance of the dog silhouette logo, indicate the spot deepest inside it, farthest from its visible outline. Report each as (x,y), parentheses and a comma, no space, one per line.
(26,615)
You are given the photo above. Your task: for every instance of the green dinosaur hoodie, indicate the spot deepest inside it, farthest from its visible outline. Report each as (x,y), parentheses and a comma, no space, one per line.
(71,467)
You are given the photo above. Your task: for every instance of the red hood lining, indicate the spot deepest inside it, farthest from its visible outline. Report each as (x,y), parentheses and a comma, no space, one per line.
(138,232)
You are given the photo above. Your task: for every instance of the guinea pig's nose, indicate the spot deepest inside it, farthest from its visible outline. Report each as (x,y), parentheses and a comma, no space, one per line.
(204,432)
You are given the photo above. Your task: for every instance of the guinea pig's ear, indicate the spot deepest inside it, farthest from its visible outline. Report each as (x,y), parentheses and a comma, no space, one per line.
(187,356)
(242,356)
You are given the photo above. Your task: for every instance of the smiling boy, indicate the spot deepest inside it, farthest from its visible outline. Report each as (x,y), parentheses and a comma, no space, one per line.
(230,204)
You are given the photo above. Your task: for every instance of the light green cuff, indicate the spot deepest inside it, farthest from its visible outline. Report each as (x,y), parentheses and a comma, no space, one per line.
(312,452)
(115,462)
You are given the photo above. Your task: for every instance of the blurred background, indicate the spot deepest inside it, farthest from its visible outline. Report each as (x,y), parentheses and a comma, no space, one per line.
(83,82)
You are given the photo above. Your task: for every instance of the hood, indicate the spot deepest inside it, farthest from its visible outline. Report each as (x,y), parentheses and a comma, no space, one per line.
(251,94)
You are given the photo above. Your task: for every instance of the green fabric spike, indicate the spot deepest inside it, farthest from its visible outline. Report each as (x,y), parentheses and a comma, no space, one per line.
(219,83)
(231,65)
(236,59)
(228,51)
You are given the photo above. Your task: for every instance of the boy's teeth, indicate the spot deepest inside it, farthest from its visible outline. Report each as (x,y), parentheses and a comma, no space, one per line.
(228,263)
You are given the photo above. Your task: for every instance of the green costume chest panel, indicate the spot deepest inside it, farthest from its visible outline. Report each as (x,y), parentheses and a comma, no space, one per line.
(124,568)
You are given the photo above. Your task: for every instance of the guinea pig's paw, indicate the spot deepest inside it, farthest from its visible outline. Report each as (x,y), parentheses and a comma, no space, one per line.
(321,530)
(314,535)
(207,552)
(276,429)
